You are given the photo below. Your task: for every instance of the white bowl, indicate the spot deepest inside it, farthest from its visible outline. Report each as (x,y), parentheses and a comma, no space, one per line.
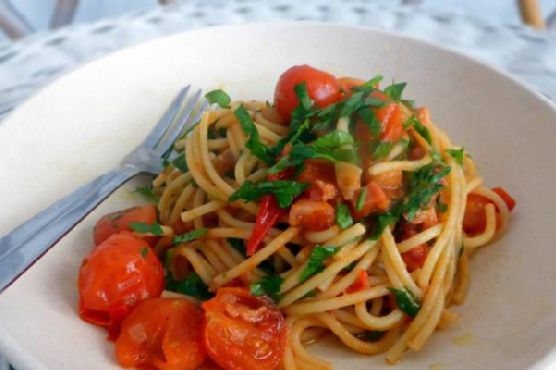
(84,123)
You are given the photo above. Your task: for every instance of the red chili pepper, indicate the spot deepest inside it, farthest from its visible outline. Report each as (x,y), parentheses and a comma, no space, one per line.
(360,283)
(267,216)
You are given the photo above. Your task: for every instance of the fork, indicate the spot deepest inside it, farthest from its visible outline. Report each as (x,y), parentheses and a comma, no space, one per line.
(27,242)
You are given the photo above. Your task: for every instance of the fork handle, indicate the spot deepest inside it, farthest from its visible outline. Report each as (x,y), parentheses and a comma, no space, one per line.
(26,243)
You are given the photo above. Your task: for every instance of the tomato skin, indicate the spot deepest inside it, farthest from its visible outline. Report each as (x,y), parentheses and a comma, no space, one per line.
(115,222)
(507,198)
(321,177)
(322,87)
(312,214)
(360,283)
(390,117)
(164,333)
(119,273)
(347,83)
(415,258)
(474,218)
(376,200)
(243,332)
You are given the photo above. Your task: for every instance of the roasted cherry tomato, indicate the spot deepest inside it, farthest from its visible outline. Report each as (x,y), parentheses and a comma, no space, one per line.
(118,274)
(164,333)
(321,177)
(375,200)
(347,83)
(312,214)
(243,332)
(115,222)
(474,218)
(322,87)
(390,117)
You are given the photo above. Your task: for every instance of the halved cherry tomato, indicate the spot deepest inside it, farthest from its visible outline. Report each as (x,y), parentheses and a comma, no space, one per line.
(415,258)
(360,283)
(375,201)
(346,83)
(322,87)
(321,177)
(164,333)
(390,117)
(390,182)
(243,332)
(474,218)
(312,214)
(118,274)
(507,198)
(115,222)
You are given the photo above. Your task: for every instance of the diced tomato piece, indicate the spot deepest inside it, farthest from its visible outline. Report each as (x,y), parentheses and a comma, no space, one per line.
(312,214)
(390,117)
(243,332)
(346,83)
(119,273)
(360,283)
(162,333)
(375,201)
(507,198)
(114,223)
(415,258)
(474,218)
(321,177)
(416,153)
(322,87)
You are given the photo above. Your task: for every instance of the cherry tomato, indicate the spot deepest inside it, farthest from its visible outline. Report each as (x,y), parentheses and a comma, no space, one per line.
(375,201)
(115,222)
(415,258)
(243,332)
(346,83)
(322,87)
(390,117)
(312,214)
(164,333)
(390,182)
(119,273)
(507,198)
(474,218)
(321,176)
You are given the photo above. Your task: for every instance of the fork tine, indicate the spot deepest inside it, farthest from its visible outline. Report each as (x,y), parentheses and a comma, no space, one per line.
(183,120)
(169,116)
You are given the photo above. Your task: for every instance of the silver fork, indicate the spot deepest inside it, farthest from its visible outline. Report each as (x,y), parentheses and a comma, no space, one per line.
(26,243)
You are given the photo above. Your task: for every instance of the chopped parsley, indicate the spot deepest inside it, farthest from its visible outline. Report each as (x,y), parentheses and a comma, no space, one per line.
(424,184)
(192,286)
(419,128)
(187,237)
(253,143)
(147,192)
(343,216)
(315,262)
(457,154)
(285,191)
(361,199)
(180,163)
(406,301)
(395,91)
(219,97)
(381,149)
(268,285)
(142,228)
(370,335)
(237,244)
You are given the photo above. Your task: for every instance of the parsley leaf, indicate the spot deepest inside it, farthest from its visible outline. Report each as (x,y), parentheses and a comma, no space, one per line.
(147,192)
(457,154)
(187,237)
(305,102)
(253,143)
(268,285)
(406,301)
(419,128)
(192,286)
(219,97)
(361,199)
(316,260)
(442,207)
(332,141)
(343,216)
(370,335)
(284,190)
(369,118)
(237,244)
(423,185)
(142,228)
(181,163)
(382,149)
(395,91)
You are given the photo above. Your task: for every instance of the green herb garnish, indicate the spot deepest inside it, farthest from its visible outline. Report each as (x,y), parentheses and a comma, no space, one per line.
(343,216)
(147,192)
(142,228)
(361,199)
(395,91)
(370,335)
(315,262)
(219,97)
(406,301)
(180,163)
(268,285)
(457,154)
(237,244)
(187,237)
(253,143)
(285,191)
(144,252)
(192,286)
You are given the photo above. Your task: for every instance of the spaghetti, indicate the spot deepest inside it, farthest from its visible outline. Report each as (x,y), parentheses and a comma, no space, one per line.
(374,215)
